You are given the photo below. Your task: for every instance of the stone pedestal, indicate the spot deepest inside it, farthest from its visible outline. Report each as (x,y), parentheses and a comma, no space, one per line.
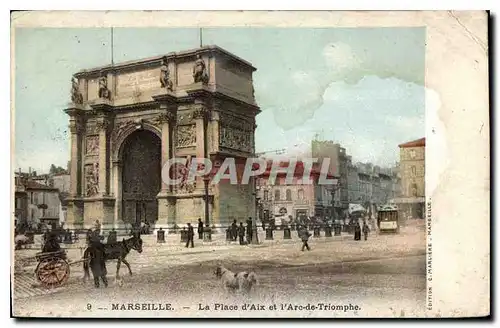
(269,234)
(166,211)
(287,233)
(160,236)
(74,215)
(99,208)
(207,234)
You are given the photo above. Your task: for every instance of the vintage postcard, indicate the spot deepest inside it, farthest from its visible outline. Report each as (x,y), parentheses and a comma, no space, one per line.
(250,164)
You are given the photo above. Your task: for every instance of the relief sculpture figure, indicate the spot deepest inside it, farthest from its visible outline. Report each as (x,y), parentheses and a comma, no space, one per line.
(92,180)
(92,145)
(200,71)
(103,87)
(165,75)
(76,96)
(182,173)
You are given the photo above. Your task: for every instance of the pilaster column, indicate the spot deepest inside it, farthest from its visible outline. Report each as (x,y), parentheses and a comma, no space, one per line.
(166,119)
(214,128)
(117,177)
(201,116)
(76,129)
(102,126)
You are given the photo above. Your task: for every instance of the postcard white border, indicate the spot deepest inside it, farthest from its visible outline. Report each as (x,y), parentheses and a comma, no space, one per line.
(457,74)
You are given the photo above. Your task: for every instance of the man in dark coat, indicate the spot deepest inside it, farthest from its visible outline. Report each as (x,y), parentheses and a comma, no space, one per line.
(249,230)
(241,233)
(357,231)
(190,235)
(51,243)
(304,236)
(200,229)
(234,231)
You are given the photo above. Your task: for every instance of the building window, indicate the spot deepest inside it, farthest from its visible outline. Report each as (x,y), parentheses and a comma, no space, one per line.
(288,195)
(301,194)
(413,171)
(277,194)
(266,194)
(413,154)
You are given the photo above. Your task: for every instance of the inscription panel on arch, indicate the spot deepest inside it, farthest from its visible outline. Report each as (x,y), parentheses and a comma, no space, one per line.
(137,82)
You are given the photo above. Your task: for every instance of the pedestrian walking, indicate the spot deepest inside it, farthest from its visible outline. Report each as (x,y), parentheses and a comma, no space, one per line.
(304,236)
(234,231)
(241,233)
(366,230)
(200,229)
(357,231)
(190,235)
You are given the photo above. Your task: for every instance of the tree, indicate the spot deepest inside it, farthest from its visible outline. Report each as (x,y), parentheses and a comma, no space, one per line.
(56,169)
(52,169)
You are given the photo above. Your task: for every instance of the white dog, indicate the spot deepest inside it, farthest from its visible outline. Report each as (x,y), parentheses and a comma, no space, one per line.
(21,240)
(232,282)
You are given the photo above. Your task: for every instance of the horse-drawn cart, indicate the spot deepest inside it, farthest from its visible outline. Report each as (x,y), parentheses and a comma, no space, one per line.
(53,270)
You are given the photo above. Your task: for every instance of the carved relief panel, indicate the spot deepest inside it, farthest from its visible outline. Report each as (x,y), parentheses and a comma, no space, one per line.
(91,179)
(186,136)
(236,133)
(181,172)
(92,145)
(119,128)
(234,138)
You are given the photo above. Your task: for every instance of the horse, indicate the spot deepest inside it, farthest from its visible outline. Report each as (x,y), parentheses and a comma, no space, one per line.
(97,254)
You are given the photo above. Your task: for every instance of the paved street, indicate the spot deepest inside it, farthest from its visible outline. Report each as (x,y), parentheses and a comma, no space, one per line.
(383,276)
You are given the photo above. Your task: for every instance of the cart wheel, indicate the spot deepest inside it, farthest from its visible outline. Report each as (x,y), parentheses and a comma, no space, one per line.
(52,272)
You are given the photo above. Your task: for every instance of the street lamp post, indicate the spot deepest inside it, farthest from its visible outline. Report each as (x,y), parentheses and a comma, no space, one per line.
(206,180)
(255,234)
(334,213)
(207,235)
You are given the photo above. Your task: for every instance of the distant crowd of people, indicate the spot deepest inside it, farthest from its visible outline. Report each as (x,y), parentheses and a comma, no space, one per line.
(241,232)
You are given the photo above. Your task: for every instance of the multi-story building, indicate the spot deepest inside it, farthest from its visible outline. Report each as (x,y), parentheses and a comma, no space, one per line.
(412,170)
(371,184)
(36,202)
(20,203)
(353,183)
(282,200)
(338,167)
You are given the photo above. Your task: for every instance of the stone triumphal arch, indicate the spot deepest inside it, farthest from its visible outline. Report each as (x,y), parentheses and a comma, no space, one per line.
(128,119)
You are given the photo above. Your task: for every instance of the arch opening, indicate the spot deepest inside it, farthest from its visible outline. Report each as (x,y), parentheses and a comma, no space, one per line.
(141,177)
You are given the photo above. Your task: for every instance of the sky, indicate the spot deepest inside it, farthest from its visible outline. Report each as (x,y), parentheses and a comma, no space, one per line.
(361,87)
